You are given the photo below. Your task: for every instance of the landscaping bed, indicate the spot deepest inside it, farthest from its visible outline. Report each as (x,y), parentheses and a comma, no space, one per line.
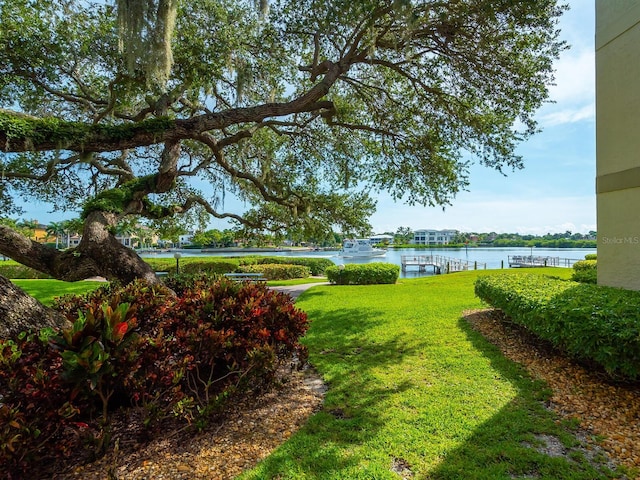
(591,323)
(139,363)
(609,427)
(241,436)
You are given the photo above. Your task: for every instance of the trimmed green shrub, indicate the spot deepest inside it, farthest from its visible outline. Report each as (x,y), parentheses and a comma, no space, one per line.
(363,274)
(585,271)
(274,271)
(589,322)
(208,267)
(585,265)
(141,347)
(591,256)
(194,265)
(316,265)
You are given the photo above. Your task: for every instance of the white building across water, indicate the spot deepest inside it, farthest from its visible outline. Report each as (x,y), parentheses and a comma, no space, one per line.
(387,239)
(434,237)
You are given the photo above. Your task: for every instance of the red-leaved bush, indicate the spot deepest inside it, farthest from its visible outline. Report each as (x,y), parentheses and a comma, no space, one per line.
(140,347)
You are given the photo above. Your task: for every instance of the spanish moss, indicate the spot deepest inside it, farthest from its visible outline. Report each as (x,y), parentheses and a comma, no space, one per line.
(263,6)
(146,28)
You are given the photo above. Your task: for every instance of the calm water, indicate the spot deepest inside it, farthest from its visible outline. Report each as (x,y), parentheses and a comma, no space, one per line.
(492,257)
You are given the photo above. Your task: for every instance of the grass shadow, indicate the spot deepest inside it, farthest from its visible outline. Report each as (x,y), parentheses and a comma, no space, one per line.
(523,439)
(415,392)
(351,358)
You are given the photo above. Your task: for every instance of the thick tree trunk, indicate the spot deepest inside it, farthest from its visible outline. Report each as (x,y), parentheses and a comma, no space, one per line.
(99,254)
(108,256)
(20,312)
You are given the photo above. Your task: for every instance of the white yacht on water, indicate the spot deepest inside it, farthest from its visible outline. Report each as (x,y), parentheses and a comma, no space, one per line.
(360,247)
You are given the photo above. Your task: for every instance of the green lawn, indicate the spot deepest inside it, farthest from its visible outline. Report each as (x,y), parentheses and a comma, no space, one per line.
(47,290)
(411,385)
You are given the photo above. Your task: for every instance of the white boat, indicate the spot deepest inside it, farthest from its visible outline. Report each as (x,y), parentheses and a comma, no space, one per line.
(360,247)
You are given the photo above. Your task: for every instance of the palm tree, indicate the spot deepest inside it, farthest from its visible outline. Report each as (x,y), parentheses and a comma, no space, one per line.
(56,229)
(28,227)
(143,234)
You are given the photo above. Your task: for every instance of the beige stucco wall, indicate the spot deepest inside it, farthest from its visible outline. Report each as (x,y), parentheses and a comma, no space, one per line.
(618,142)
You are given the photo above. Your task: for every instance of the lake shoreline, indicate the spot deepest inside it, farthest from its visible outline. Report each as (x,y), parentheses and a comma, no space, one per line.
(489,258)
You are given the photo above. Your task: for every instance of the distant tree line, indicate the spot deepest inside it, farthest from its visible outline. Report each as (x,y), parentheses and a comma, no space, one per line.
(214,238)
(404,236)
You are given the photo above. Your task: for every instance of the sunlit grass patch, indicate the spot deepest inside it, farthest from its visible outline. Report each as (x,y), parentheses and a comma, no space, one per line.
(47,290)
(412,388)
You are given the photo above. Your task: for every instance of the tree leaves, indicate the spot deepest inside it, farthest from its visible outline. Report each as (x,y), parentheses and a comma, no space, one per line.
(327,98)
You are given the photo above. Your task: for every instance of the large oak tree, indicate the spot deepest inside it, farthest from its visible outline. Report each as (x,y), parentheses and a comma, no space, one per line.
(301,110)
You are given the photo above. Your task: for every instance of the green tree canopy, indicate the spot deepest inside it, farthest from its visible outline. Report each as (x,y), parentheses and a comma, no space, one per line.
(403,235)
(301,111)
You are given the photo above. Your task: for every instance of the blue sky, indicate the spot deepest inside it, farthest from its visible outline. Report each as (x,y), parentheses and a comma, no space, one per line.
(555,191)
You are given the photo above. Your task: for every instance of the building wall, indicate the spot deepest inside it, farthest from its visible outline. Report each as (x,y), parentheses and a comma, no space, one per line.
(40,235)
(618,142)
(185,239)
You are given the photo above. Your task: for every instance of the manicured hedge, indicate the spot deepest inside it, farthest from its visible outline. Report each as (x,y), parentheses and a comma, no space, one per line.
(194,265)
(585,271)
(365,274)
(316,265)
(589,322)
(208,267)
(274,271)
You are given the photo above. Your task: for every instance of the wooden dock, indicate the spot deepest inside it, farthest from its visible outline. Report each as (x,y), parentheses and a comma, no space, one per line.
(530,261)
(439,263)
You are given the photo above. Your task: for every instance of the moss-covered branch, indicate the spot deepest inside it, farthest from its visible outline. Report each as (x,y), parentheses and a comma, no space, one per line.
(21,133)
(117,200)
(24,132)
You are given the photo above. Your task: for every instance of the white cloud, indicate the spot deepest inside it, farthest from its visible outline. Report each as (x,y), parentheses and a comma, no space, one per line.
(571,115)
(574,91)
(575,78)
